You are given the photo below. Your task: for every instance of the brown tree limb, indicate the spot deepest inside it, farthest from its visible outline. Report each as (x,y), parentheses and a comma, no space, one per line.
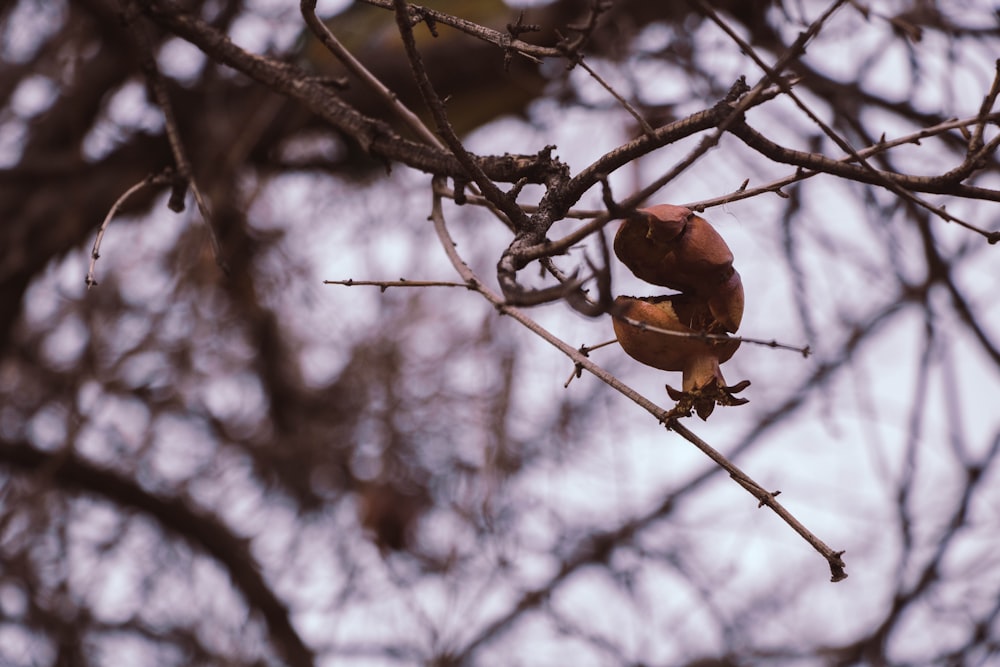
(821,163)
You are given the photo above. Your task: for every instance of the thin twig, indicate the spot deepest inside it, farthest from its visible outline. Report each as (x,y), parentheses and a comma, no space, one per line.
(163,178)
(883,179)
(698,335)
(386,284)
(643,123)
(585,350)
(763,496)
(976,141)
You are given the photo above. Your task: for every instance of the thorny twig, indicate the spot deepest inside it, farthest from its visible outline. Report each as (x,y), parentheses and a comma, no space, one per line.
(585,350)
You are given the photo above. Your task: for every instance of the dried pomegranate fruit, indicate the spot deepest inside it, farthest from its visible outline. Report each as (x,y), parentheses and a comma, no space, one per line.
(671,246)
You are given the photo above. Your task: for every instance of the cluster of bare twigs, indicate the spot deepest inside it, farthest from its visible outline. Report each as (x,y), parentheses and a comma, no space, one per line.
(442,153)
(429,142)
(561,192)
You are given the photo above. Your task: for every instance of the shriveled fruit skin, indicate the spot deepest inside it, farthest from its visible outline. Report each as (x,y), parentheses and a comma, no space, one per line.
(697,358)
(672,247)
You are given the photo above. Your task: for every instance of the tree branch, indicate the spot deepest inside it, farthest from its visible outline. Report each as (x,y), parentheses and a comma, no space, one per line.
(821,163)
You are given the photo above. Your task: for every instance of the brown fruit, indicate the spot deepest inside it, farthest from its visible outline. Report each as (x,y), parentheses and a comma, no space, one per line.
(697,358)
(671,246)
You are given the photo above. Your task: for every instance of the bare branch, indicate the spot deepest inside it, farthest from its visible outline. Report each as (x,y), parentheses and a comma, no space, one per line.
(816,162)
(804,351)
(402,282)
(976,140)
(165,177)
(643,123)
